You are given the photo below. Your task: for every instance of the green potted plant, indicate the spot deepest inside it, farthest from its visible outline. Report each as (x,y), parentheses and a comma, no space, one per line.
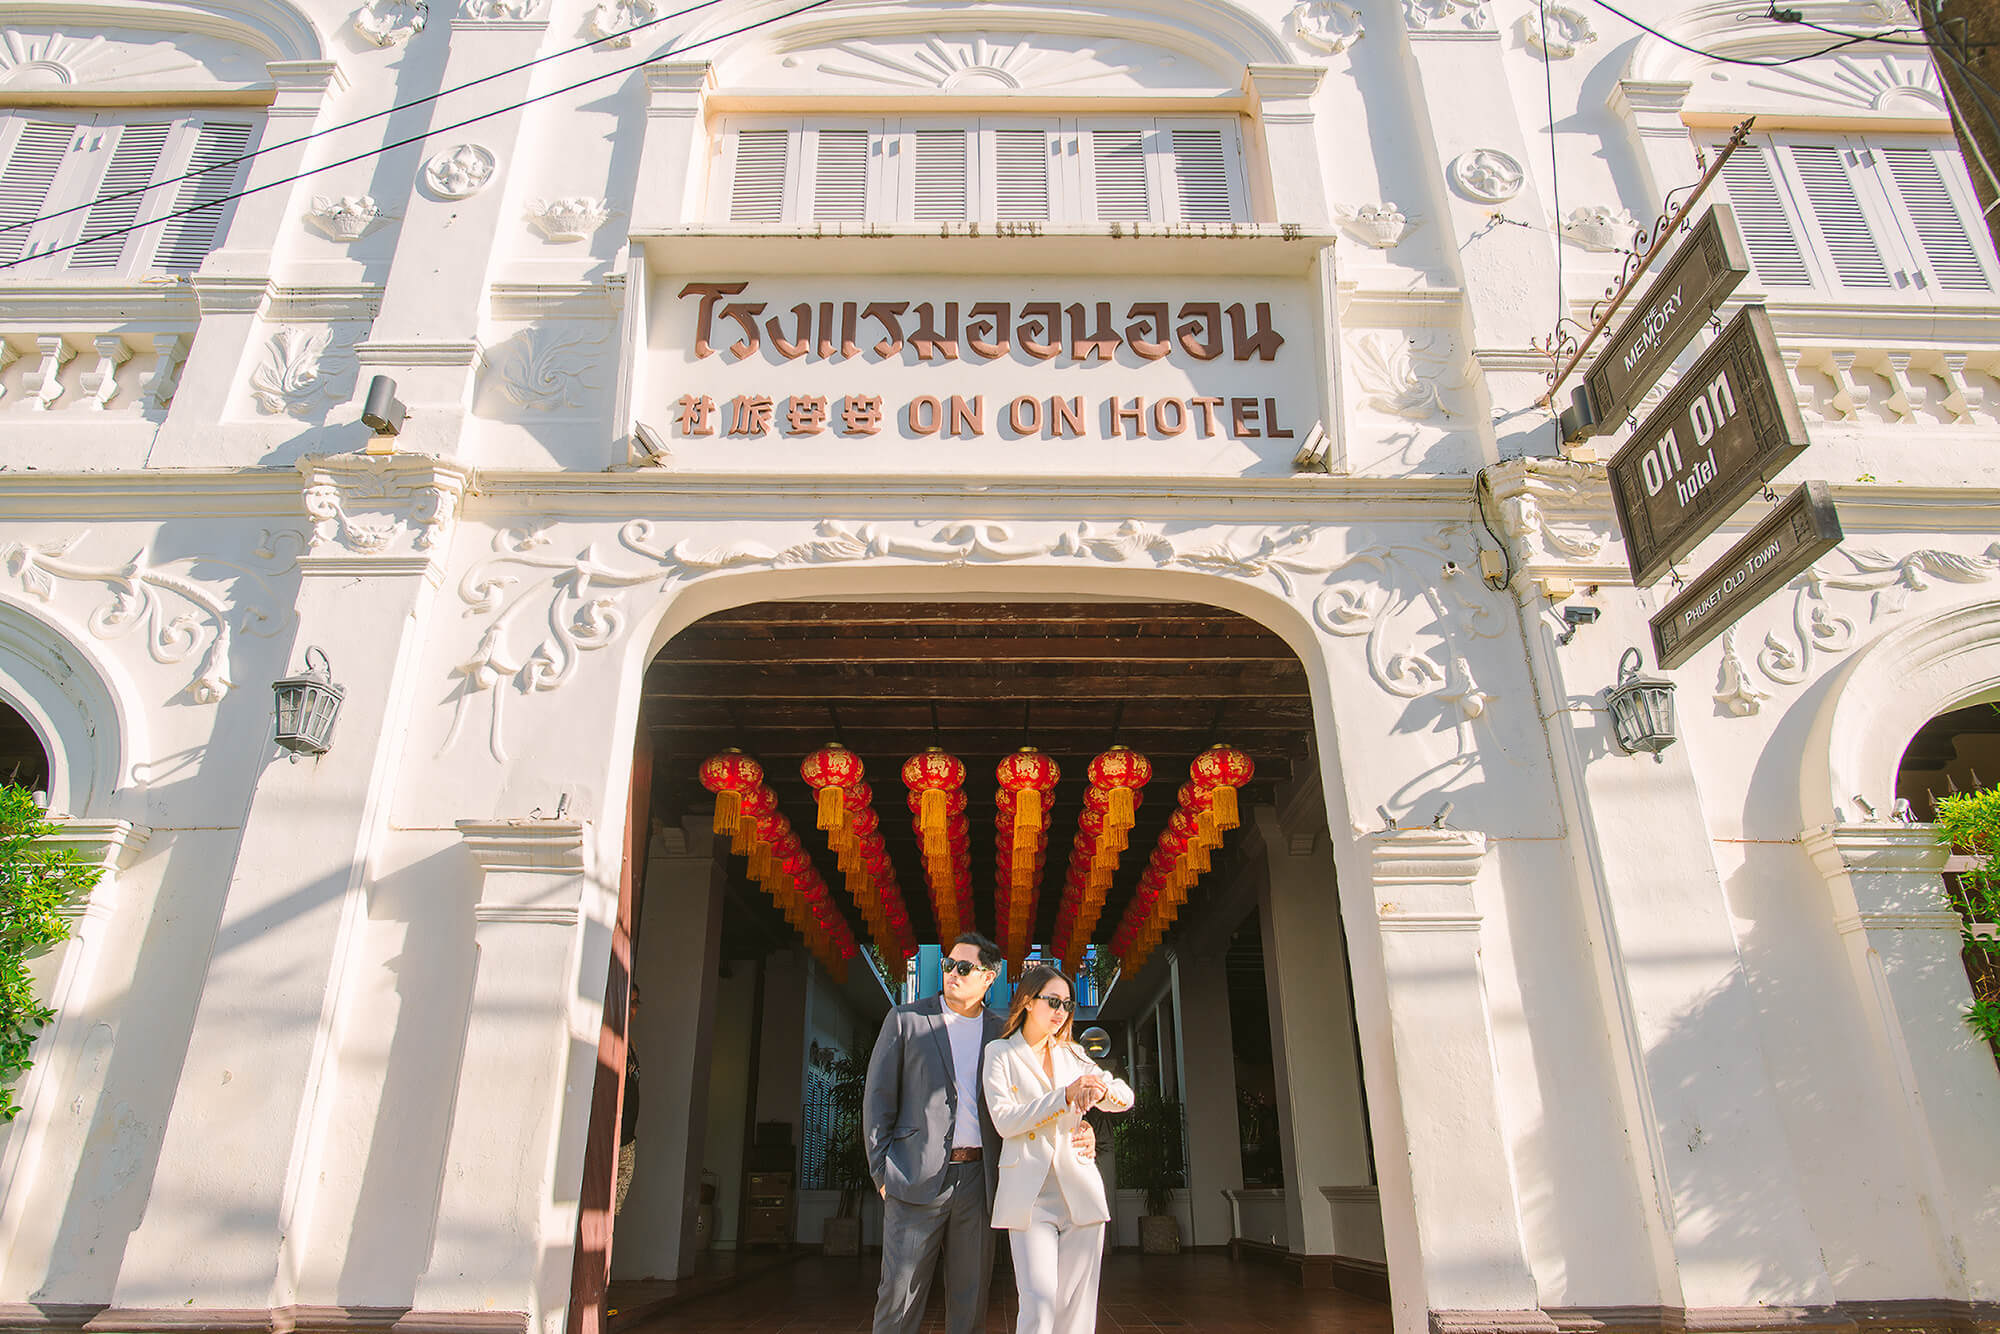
(35,880)
(1150,1160)
(1970,823)
(847,1154)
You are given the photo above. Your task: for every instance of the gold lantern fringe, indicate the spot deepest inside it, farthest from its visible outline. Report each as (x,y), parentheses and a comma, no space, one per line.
(832,807)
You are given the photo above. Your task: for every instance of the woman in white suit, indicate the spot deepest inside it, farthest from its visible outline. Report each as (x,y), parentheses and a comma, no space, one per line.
(1038,1085)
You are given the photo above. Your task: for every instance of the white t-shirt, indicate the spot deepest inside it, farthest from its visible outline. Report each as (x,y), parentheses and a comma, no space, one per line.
(965,1033)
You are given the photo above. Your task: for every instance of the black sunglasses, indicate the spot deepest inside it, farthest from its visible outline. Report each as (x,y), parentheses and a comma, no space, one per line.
(1062,1003)
(963,967)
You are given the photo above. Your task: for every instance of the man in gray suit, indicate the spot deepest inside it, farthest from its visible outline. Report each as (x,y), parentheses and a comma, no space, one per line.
(932,1148)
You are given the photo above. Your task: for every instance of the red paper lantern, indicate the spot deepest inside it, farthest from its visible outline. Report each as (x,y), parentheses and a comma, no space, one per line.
(932,777)
(1119,772)
(1217,773)
(831,771)
(729,775)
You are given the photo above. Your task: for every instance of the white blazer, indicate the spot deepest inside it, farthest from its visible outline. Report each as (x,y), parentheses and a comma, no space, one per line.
(1033,1116)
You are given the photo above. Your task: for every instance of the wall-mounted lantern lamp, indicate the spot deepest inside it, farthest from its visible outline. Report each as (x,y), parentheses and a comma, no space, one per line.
(1642,709)
(308,706)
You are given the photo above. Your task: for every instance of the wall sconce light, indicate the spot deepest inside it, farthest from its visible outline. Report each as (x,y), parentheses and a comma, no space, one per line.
(382,412)
(1642,709)
(308,706)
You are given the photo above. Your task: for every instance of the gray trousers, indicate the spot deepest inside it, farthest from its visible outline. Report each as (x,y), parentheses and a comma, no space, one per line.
(960,1226)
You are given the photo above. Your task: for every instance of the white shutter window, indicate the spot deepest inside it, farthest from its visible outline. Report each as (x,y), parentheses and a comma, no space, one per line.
(1764,219)
(1117,175)
(757,186)
(1841,225)
(134,158)
(940,167)
(1201,175)
(1020,161)
(1933,215)
(202,201)
(33,160)
(840,174)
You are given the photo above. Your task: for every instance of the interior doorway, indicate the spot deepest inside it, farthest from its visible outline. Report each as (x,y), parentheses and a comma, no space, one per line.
(755,1012)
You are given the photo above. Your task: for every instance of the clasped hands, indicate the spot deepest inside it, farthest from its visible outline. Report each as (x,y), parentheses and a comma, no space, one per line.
(1086,1091)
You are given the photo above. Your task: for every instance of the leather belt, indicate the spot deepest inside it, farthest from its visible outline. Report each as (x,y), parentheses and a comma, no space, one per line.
(971,1155)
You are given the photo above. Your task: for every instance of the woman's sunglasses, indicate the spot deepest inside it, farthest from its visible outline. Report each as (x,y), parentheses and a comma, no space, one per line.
(1060,1004)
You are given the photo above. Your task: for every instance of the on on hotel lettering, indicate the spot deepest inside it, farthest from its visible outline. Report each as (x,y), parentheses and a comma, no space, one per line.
(1053,418)
(1663,464)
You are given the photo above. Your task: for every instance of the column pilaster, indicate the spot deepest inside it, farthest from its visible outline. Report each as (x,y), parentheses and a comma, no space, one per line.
(1468,1219)
(1902,940)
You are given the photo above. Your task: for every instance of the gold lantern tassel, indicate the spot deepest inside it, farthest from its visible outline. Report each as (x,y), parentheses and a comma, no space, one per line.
(1205,829)
(1119,817)
(832,807)
(1223,807)
(739,838)
(1027,812)
(931,816)
(728,810)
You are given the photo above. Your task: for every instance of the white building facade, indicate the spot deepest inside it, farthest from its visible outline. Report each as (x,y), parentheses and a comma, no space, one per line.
(912,301)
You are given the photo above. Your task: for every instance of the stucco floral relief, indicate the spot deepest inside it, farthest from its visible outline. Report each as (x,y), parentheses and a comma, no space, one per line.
(542,611)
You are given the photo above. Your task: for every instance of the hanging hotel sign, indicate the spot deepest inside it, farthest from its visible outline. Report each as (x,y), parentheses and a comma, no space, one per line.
(1801,530)
(956,364)
(1702,273)
(1724,431)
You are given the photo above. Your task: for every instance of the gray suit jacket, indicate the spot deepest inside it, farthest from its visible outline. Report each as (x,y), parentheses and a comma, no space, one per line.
(909,1107)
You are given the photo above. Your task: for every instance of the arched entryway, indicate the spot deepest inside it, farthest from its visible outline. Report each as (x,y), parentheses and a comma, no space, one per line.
(734,1167)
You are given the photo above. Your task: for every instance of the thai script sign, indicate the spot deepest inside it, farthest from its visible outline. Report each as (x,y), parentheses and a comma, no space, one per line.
(965,365)
(1705,270)
(1801,530)
(1724,431)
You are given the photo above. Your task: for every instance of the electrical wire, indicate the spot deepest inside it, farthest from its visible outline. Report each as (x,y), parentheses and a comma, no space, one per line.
(411,139)
(1850,40)
(411,105)
(1555,185)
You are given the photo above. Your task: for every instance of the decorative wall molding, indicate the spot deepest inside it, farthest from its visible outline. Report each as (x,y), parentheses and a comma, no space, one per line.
(546,368)
(379,505)
(1555,517)
(301,372)
(544,611)
(1736,690)
(1567,30)
(180,617)
(1381,226)
(497,11)
(1823,619)
(344,217)
(995,61)
(1488,175)
(550,847)
(48,61)
(612,21)
(388,22)
(1326,25)
(459,172)
(1448,18)
(156,390)
(1402,377)
(573,218)
(1888,83)
(1601,229)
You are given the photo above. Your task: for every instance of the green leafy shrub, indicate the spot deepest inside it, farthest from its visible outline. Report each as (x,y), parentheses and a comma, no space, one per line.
(35,880)
(1149,1149)
(1970,823)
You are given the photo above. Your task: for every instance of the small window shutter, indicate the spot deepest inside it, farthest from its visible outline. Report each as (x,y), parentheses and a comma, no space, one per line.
(185,240)
(763,166)
(1934,216)
(1764,220)
(1201,176)
(1118,175)
(1842,227)
(25,182)
(134,159)
(840,175)
(941,175)
(1021,174)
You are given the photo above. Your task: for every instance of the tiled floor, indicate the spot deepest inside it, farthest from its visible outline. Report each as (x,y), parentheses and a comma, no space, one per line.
(1187,1294)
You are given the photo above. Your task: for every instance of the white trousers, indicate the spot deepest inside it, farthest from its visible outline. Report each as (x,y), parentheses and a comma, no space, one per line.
(1056,1264)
